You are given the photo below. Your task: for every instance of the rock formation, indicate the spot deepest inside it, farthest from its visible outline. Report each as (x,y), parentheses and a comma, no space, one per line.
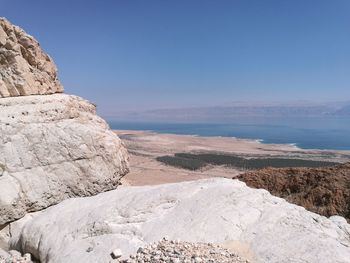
(325,191)
(220,211)
(24,68)
(52,147)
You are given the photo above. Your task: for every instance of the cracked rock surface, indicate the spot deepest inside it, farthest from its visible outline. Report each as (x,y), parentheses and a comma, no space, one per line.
(259,226)
(51,148)
(25,69)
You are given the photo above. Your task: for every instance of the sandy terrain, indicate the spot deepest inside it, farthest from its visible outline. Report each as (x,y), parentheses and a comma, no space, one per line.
(145,146)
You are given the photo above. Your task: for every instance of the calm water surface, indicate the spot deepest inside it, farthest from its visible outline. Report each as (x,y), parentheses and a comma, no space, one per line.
(307,133)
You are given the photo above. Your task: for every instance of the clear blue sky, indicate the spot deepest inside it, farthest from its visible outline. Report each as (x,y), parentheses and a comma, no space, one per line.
(155,54)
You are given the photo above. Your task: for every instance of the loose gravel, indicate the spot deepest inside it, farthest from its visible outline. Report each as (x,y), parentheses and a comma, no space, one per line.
(14,256)
(171,251)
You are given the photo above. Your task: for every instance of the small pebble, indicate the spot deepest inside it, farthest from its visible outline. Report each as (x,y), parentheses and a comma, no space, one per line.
(116,253)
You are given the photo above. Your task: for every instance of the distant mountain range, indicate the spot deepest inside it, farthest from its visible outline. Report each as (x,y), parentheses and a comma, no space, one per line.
(344,111)
(237,111)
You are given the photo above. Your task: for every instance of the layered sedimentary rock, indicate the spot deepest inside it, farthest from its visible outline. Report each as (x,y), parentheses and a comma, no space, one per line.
(257,225)
(325,190)
(25,69)
(52,147)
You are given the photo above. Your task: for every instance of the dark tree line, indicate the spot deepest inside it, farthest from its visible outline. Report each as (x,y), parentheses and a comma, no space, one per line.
(192,161)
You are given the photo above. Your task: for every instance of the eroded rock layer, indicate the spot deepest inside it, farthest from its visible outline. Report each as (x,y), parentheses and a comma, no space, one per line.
(25,69)
(52,148)
(325,190)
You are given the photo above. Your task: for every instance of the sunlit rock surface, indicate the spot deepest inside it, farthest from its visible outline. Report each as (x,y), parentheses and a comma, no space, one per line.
(221,211)
(52,148)
(25,69)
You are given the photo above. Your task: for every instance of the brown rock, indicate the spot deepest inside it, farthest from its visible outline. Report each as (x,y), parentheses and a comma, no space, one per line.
(325,191)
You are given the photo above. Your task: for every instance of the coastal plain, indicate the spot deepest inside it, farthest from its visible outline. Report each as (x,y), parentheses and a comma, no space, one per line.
(145,146)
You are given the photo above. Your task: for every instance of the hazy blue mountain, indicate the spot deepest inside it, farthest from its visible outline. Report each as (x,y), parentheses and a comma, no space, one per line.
(344,111)
(237,110)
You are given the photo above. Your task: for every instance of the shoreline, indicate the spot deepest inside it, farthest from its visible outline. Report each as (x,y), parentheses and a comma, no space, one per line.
(304,135)
(145,146)
(289,146)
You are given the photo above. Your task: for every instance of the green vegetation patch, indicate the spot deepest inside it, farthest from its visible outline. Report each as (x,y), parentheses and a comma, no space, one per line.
(180,162)
(193,161)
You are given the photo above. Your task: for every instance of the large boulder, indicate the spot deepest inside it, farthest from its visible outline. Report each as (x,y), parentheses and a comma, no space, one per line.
(260,226)
(52,148)
(24,68)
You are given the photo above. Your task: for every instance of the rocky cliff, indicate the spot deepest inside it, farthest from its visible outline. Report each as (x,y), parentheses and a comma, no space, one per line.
(325,190)
(25,69)
(52,146)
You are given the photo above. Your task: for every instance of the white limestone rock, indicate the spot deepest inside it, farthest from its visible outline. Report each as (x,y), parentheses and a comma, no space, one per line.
(4,236)
(218,210)
(3,255)
(51,148)
(25,69)
(117,253)
(14,256)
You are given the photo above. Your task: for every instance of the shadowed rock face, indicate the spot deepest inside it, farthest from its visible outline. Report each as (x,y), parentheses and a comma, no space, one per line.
(325,191)
(25,69)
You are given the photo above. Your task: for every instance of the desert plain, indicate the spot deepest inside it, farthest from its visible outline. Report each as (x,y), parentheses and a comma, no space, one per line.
(145,146)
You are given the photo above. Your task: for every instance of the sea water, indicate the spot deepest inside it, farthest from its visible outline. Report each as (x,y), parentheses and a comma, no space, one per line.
(307,133)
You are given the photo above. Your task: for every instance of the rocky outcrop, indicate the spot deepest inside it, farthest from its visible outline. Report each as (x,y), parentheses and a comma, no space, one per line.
(52,148)
(220,211)
(325,191)
(25,69)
